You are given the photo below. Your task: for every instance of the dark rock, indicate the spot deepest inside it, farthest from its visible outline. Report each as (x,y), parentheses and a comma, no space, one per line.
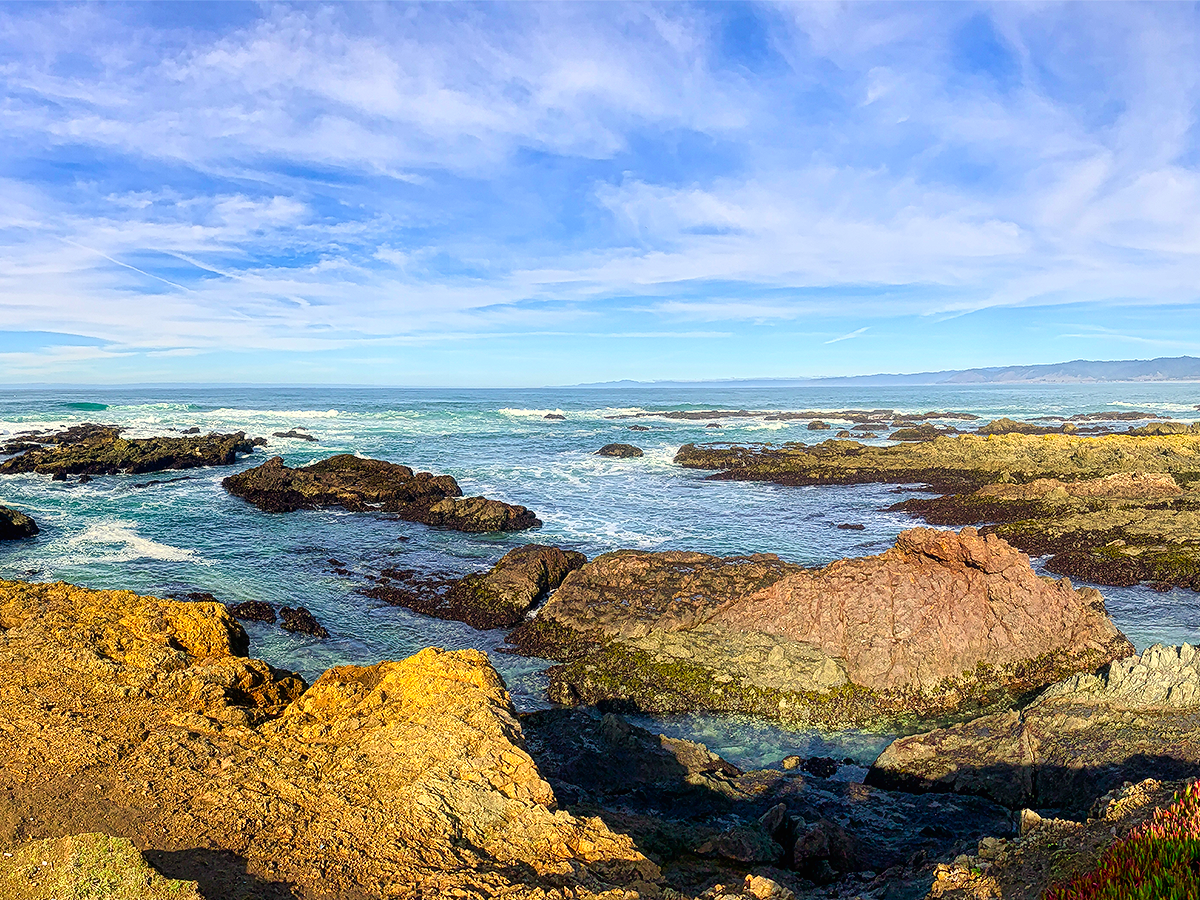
(851,526)
(498,598)
(713,425)
(14,524)
(100,450)
(59,476)
(620,451)
(293,433)
(558,417)
(925,432)
(258,611)
(817,425)
(1009,426)
(824,850)
(842,434)
(200,597)
(748,844)
(259,442)
(639,428)
(85,478)
(302,621)
(821,766)
(370,484)
(193,430)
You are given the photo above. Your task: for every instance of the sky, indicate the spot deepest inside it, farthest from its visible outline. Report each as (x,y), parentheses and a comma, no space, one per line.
(535,193)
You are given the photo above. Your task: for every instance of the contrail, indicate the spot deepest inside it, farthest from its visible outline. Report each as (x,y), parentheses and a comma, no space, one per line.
(126,265)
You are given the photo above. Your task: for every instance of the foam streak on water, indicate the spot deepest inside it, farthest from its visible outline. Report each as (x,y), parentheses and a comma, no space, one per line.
(189,535)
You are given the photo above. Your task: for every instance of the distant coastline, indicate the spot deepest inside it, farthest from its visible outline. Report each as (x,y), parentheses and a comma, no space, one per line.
(1079,371)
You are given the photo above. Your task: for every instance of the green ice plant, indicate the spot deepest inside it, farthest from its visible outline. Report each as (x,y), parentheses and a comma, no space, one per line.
(1158,860)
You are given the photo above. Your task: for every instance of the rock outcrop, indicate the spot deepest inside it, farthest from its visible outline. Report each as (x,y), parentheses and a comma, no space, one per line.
(15,524)
(135,717)
(620,451)
(86,867)
(1086,735)
(953,463)
(941,624)
(100,450)
(360,484)
(1120,529)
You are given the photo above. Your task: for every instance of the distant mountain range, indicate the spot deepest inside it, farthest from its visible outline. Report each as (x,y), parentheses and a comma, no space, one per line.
(1078,371)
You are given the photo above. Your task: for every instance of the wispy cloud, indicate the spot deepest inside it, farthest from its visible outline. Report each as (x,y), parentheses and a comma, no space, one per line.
(295,179)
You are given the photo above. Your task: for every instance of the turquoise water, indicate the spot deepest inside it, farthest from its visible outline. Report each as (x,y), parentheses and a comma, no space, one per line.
(189,535)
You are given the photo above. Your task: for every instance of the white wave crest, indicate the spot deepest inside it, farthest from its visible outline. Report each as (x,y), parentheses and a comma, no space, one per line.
(127,544)
(529,413)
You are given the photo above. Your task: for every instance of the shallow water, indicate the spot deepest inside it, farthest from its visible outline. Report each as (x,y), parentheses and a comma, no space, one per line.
(189,535)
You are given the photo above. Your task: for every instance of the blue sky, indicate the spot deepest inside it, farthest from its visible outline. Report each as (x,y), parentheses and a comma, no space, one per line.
(528,194)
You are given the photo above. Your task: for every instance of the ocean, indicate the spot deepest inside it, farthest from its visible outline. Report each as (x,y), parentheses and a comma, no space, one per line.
(177,532)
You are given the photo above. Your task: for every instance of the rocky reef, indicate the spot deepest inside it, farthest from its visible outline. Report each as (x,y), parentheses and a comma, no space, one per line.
(956,463)
(358,484)
(620,451)
(136,717)
(943,624)
(15,524)
(100,450)
(1138,718)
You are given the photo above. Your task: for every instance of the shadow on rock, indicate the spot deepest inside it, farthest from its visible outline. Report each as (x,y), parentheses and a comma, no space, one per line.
(220,875)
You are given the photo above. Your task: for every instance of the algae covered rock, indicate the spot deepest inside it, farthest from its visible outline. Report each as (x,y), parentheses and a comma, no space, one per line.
(500,597)
(100,450)
(86,867)
(358,484)
(620,451)
(941,624)
(15,524)
(1139,717)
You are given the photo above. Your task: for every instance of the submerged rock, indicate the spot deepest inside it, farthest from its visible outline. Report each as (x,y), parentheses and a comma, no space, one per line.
(133,716)
(941,624)
(100,450)
(620,451)
(360,484)
(301,620)
(15,524)
(293,433)
(1083,736)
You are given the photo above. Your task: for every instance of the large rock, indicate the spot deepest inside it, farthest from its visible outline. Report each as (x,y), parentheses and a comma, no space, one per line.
(86,867)
(620,451)
(360,484)
(100,450)
(1138,718)
(940,623)
(134,717)
(500,597)
(15,524)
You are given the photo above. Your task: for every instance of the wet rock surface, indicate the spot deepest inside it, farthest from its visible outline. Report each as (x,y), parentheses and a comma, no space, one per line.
(941,624)
(135,717)
(703,821)
(253,611)
(1082,737)
(90,449)
(14,524)
(293,433)
(300,620)
(620,451)
(497,598)
(360,484)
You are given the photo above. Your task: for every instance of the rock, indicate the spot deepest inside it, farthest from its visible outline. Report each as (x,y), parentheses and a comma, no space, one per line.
(556,416)
(925,432)
(100,450)
(943,624)
(498,598)
(302,621)
(369,484)
(639,428)
(852,526)
(293,433)
(193,430)
(86,866)
(1167,428)
(823,850)
(677,799)
(131,716)
(14,524)
(1009,426)
(843,434)
(253,611)
(620,451)
(1081,737)
(821,766)
(791,762)
(817,425)
(761,888)
(960,463)
(713,425)
(84,479)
